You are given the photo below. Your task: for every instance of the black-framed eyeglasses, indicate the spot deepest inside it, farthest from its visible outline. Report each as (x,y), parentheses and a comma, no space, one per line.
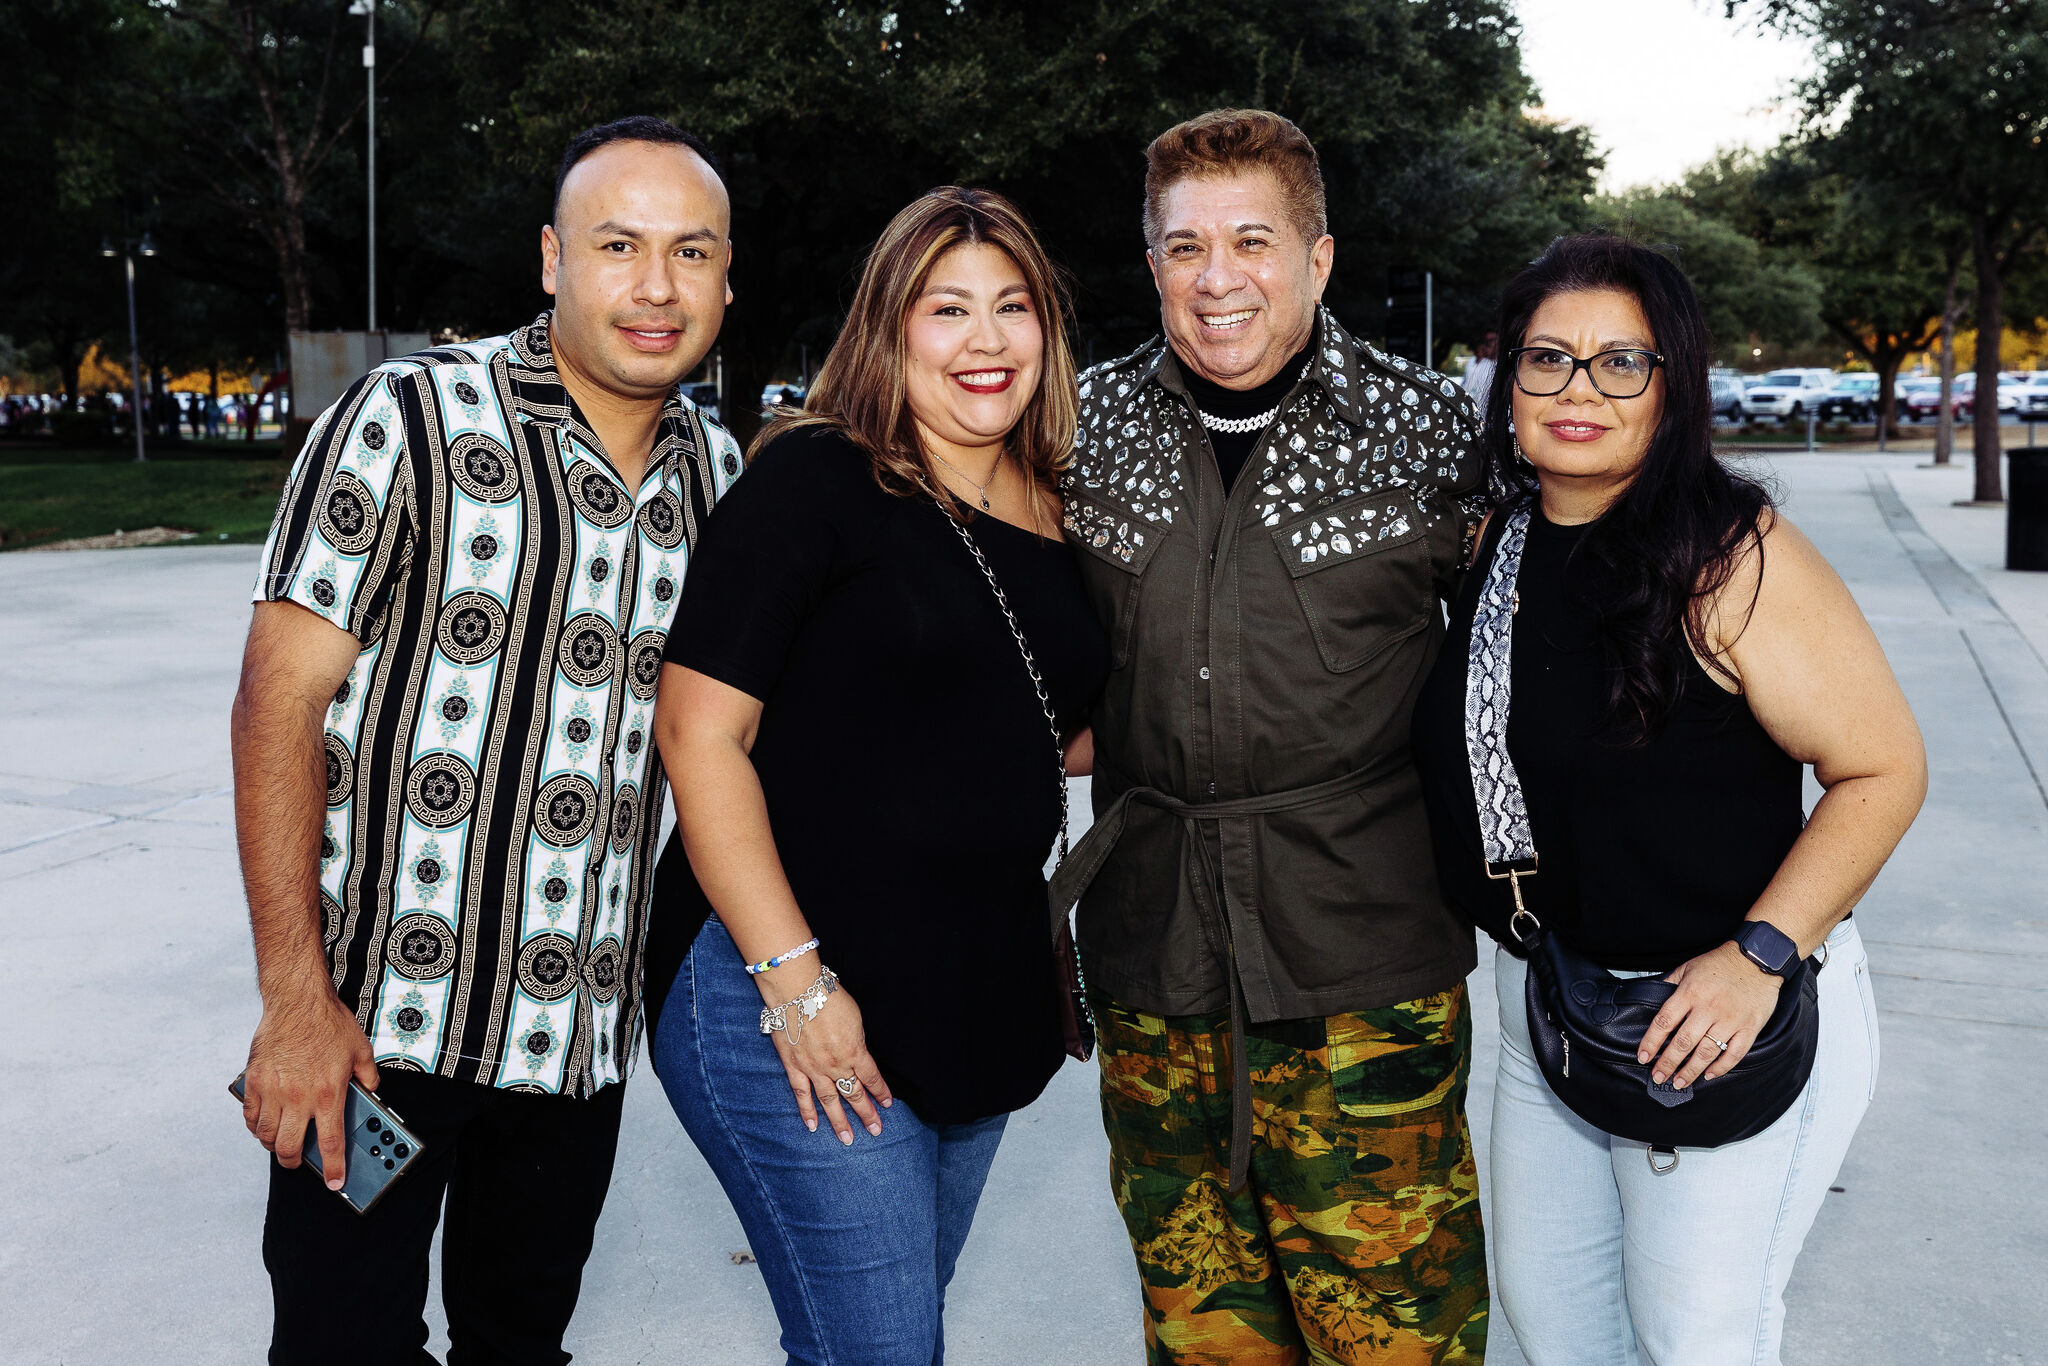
(1541,371)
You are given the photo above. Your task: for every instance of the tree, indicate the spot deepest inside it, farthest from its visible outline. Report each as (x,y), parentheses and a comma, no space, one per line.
(58,295)
(1748,291)
(1944,103)
(830,116)
(248,103)
(1887,269)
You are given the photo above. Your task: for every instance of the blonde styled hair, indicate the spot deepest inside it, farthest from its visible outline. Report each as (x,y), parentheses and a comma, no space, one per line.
(862,390)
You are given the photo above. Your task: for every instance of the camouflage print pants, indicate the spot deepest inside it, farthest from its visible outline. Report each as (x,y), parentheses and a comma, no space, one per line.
(1357,1237)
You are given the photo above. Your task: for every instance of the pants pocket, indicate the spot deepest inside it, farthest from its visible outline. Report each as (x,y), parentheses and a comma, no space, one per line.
(1134,1052)
(1400,1058)
(1869,999)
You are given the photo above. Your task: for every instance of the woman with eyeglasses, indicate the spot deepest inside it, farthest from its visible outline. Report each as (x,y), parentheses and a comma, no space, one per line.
(1657,657)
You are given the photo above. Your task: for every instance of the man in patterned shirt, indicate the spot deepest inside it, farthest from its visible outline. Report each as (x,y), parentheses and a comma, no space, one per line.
(444,789)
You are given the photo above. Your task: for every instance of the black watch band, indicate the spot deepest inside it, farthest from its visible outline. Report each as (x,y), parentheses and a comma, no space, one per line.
(1765,945)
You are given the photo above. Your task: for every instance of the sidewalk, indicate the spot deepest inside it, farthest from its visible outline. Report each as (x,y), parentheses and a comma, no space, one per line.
(134,1196)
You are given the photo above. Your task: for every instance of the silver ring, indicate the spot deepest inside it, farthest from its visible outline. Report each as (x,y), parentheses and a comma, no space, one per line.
(1717,1043)
(847,1086)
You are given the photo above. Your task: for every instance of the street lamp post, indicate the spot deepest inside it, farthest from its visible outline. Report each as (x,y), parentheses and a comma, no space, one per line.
(129,247)
(367,9)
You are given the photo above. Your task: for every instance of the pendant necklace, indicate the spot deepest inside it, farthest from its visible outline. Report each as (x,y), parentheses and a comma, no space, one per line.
(981,488)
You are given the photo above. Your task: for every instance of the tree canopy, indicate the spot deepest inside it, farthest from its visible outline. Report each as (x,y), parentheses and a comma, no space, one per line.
(231,129)
(830,117)
(1941,105)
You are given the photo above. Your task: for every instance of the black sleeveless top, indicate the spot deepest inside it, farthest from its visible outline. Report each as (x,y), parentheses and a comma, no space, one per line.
(1651,853)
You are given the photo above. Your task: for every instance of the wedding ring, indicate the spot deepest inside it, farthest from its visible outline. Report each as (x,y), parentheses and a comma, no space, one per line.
(848,1085)
(1717,1043)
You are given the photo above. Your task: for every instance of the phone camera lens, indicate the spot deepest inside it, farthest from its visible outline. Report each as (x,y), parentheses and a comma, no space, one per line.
(389,1164)
(373,1124)
(375,1151)
(400,1150)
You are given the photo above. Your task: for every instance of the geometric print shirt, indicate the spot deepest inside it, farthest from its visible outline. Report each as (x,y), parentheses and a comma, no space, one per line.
(492,792)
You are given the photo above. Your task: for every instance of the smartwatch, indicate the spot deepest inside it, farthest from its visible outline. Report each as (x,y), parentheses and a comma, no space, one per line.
(1765,945)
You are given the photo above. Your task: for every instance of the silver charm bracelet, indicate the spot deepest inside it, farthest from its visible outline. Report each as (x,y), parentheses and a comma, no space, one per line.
(806,1006)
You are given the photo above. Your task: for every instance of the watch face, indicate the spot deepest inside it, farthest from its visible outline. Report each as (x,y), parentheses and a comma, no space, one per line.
(1767,946)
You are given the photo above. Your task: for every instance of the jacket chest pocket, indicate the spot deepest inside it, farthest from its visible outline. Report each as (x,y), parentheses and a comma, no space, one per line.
(1116,546)
(1360,570)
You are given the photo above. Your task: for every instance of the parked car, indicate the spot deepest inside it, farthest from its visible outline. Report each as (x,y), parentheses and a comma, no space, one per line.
(1854,398)
(2030,400)
(1788,393)
(1927,402)
(774,396)
(2008,399)
(705,395)
(1923,397)
(1725,386)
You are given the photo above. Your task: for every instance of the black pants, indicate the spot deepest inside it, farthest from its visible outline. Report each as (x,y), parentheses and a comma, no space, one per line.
(525,1178)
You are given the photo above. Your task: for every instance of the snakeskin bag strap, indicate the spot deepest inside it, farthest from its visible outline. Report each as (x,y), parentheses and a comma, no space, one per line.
(1504,834)
(1077,1018)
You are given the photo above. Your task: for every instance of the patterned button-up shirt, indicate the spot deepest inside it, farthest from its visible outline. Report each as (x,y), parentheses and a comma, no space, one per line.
(492,796)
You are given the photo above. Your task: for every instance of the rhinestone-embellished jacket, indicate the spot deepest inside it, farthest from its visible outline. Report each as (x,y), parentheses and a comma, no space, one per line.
(1267,642)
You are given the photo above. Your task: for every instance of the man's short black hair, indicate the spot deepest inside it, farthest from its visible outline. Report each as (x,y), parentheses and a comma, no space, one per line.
(632,128)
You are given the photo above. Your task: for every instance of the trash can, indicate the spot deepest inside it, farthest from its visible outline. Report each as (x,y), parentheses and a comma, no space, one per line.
(2026,508)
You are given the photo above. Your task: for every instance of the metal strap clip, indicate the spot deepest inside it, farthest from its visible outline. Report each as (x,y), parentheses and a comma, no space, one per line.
(1514,871)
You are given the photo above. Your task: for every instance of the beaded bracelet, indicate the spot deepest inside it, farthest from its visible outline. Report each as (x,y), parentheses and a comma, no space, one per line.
(756,969)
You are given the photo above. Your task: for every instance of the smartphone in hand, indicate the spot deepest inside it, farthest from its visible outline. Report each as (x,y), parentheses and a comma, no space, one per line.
(380,1147)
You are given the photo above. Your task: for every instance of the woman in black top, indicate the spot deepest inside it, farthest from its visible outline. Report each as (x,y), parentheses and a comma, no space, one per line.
(868,785)
(1678,652)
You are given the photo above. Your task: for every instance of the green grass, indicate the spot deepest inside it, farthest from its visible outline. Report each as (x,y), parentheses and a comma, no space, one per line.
(47,494)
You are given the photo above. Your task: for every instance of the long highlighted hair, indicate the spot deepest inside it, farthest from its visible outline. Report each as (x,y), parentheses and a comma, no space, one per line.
(862,390)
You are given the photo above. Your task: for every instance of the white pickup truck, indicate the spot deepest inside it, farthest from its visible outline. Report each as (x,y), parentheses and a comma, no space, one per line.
(1788,393)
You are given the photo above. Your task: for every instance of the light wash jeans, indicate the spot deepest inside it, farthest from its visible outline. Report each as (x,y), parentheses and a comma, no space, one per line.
(1603,1262)
(856,1242)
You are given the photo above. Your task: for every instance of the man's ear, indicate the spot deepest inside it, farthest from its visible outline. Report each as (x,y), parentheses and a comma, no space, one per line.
(1321,257)
(729,248)
(1152,264)
(550,256)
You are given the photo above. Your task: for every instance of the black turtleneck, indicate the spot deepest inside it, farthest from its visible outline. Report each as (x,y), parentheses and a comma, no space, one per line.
(1234,448)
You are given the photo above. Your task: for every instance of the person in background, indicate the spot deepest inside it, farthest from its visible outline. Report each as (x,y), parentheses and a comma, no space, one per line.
(883,651)
(1679,654)
(1480,369)
(443,783)
(1269,515)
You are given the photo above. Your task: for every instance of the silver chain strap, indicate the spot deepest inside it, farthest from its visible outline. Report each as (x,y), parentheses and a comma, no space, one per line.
(1059,747)
(1083,1009)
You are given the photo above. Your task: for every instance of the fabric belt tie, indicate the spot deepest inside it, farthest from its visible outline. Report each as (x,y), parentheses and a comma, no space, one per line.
(1071,880)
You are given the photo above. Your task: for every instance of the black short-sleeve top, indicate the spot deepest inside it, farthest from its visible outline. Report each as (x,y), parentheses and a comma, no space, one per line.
(909,772)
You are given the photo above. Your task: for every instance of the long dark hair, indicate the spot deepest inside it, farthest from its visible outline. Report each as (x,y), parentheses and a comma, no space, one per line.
(1673,538)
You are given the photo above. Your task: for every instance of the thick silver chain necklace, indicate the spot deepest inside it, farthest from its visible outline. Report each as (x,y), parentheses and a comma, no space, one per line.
(1238,426)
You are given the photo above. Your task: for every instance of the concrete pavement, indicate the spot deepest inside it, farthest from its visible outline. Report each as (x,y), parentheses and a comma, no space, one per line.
(134,1197)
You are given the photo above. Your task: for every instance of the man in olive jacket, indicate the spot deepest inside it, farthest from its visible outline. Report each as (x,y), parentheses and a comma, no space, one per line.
(1269,515)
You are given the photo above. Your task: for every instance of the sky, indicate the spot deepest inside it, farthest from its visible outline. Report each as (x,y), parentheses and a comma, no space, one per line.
(1663,84)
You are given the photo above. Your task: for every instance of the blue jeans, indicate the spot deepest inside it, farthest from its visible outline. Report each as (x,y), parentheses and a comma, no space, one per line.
(1603,1261)
(856,1243)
